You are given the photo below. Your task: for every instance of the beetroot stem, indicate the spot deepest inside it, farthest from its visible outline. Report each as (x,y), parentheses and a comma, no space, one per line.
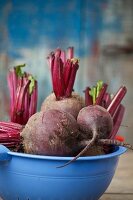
(88,97)
(70,53)
(51,59)
(10,133)
(101,94)
(12,84)
(11,125)
(67,72)
(117,119)
(63,56)
(19,108)
(117,100)
(9,144)
(58,81)
(70,85)
(55,77)
(33,101)
(106,100)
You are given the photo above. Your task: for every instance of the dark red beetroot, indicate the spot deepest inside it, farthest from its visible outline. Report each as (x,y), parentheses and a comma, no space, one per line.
(63,73)
(52,133)
(71,105)
(95,122)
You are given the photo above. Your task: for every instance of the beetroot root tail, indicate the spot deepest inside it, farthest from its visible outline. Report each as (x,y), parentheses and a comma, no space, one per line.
(114,142)
(89,144)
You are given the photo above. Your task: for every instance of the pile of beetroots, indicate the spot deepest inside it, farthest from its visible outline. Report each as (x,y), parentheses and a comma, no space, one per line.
(68,124)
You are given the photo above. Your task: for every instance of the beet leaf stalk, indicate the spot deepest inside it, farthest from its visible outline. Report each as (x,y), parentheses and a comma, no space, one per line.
(88,98)
(23,95)
(95,95)
(63,72)
(117,100)
(106,100)
(10,134)
(117,120)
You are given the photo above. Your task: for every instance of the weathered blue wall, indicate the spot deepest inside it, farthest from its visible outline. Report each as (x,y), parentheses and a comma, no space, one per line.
(30,29)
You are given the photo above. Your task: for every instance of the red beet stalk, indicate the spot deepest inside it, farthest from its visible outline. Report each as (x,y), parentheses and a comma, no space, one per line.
(23,95)
(101,94)
(88,98)
(58,80)
(33,101)
(117,119)
(70,85)
(70,53)
(10,133)
(67,72)
(106,100)
(63,72)
(116,100)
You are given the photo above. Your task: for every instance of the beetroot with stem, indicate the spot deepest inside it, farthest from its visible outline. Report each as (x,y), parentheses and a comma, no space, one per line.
(52,132)
(23,104)
(96,122)
(63,73)
(23,95)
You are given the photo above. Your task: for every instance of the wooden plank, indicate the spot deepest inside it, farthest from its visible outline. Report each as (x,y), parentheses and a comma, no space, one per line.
(121,187)
(117,197)
(123,179)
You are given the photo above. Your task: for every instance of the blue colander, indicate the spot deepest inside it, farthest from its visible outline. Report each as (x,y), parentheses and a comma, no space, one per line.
(33,177)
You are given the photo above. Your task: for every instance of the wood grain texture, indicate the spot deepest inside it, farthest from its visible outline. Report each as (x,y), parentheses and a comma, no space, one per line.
(121,187)
(117,197)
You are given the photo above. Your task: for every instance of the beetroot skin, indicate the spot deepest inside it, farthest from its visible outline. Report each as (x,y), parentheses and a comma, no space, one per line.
(71,105)
(52,132)
(95,119)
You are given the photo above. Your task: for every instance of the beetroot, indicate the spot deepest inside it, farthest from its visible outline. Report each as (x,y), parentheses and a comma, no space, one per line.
(52,133)
(95,122)
(63,74)
(71,105)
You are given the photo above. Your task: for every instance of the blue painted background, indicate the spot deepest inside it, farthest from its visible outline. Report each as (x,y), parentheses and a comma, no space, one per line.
(51,23)
(30,29)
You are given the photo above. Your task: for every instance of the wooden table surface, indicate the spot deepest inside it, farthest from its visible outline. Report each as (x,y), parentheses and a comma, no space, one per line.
(121,187)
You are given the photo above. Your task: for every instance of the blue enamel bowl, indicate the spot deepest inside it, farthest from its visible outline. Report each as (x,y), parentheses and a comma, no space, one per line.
(34,177)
